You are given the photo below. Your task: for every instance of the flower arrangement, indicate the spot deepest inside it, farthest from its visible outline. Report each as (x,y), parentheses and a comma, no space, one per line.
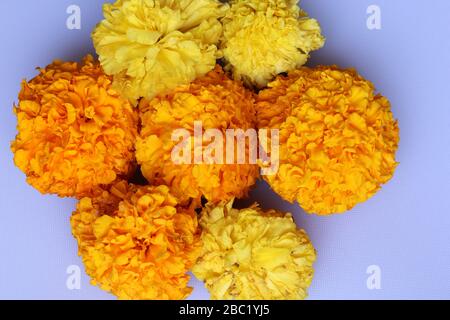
(86,130)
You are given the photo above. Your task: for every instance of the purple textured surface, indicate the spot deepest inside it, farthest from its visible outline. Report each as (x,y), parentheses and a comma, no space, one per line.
(404,229)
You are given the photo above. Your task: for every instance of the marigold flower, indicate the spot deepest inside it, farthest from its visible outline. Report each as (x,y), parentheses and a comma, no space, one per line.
(251,254)
(265,38)
(153,46)
(337,138)
(218,103)
(143,248)
(75,133)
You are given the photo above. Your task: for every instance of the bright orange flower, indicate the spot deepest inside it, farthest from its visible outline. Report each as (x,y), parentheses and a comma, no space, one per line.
(218,103)
(75,134)
(142,246)
(337,138)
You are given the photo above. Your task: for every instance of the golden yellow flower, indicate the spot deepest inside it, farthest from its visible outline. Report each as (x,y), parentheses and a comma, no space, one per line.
(75,133)
(217,103)
(153,46)
(251,254)
(143,248)
(265,38)
(337,138)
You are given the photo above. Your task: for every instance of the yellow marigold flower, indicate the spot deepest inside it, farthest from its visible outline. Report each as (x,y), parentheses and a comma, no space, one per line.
(75,133)
(251,254)
(153,46)
(265,38)
(337,138)
(218,103)
(143,248)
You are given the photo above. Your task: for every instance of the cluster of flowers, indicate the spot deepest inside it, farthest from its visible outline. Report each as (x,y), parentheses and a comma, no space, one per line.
(84,129)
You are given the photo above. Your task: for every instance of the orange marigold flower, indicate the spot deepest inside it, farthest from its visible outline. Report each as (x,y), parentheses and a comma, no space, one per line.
(337,138)
(217,102)
(143,248)
(75,133)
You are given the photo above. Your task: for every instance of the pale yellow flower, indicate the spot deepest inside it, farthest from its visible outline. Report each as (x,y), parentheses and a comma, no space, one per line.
(153,46)
(251,254)
(265,38)
(338,138)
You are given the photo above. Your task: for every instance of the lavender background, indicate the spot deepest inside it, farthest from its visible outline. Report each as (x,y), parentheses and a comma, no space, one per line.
(404,229)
